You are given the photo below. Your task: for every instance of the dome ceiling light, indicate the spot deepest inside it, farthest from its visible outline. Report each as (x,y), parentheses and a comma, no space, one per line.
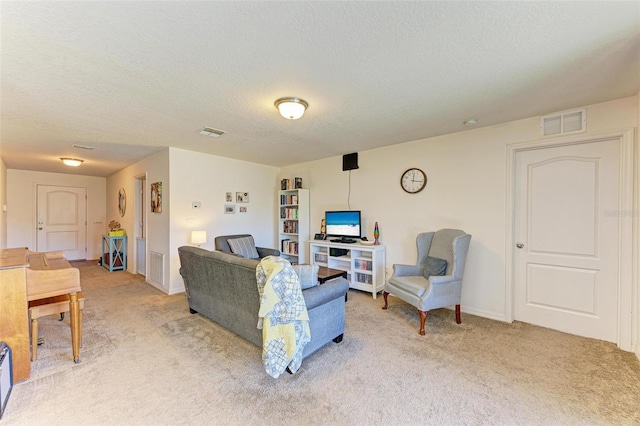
(291,108)
(73,162)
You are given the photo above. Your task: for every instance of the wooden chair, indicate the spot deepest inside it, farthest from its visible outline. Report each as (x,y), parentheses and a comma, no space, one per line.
(50,306)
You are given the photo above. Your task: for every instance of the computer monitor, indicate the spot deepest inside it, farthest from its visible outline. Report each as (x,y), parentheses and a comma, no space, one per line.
(343,224)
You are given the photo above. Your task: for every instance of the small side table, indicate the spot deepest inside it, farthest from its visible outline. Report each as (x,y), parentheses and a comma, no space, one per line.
(114,253)
(325,274)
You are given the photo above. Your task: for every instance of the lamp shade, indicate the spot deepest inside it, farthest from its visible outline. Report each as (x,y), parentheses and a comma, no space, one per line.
(291,108)
(198,237)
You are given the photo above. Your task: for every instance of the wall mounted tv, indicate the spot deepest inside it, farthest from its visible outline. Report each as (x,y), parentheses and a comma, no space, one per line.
(344,224)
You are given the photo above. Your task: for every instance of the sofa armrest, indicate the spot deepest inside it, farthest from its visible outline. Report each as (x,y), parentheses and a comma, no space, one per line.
(264,252)
(324,293)
(406,270)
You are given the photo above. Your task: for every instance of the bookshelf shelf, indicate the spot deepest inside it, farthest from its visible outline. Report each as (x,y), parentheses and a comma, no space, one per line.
(293,224)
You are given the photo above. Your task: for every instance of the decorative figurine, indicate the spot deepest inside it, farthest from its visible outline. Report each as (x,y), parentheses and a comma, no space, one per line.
(376,234)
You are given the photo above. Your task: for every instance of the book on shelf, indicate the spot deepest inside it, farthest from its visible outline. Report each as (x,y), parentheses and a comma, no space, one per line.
(288,246)
(286,199)
(285,184)
(288,213)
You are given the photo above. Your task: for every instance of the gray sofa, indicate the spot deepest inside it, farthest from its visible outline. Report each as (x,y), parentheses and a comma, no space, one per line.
(223,288)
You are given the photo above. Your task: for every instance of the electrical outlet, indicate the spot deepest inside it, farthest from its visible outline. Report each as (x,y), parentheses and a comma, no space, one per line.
(196,205)
(191,222)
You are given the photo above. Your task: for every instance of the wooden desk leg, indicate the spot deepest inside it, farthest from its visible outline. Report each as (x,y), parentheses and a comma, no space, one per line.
(33,339)
(74,316)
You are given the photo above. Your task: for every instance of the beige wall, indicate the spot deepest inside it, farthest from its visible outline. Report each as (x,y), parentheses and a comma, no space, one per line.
(3,202)
(467,181)
(637,228)
(207,178)
(21,206)
(156,169)
(186,177)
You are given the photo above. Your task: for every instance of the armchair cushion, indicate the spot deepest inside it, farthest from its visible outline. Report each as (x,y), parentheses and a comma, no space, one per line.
(414,284)
(434,266)
(245,247)
(308,275)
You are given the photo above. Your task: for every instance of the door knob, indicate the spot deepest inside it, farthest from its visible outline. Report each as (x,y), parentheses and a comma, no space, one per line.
(519,245)
(39,229)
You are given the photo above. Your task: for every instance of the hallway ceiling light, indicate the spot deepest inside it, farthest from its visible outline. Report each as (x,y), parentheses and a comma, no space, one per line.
(73,162)
(291,108)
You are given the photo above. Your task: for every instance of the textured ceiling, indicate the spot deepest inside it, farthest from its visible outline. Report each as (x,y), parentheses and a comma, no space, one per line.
(131,78)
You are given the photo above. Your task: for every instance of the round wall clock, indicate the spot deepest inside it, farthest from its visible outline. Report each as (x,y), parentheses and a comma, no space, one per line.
(122,202)
(413,180)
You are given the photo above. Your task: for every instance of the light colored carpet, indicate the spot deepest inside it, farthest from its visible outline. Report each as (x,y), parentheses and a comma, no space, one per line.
(146,360)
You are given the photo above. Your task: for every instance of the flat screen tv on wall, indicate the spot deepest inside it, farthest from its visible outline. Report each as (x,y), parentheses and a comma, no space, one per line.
(346,225)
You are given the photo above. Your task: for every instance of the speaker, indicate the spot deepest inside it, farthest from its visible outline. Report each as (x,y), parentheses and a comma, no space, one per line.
(349,161)
(6,376)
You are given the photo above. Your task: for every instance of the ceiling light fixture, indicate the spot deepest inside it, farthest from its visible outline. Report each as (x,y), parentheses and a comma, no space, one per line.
(471,122)
(291,108)
(73,162)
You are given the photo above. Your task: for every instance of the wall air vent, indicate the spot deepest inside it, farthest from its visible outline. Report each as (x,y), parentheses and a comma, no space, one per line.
(562,123)
(210,131)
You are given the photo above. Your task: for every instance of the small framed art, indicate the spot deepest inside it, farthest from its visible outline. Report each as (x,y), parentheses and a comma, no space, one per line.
(242,197)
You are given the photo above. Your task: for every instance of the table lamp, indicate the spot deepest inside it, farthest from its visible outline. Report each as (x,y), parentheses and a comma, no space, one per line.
(198,237)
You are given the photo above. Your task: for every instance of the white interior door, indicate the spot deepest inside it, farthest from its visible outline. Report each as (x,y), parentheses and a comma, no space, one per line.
(566,260)
(61,220)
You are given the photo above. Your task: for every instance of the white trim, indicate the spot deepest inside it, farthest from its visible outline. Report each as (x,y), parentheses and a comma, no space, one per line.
(498,316)
(629,233)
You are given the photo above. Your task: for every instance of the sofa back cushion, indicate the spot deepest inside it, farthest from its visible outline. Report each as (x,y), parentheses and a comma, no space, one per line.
(308,275)
(244,247)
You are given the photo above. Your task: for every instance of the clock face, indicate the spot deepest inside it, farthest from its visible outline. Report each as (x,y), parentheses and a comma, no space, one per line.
(413,180)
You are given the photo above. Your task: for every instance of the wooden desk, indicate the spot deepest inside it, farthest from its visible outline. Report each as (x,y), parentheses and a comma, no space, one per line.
(14,313)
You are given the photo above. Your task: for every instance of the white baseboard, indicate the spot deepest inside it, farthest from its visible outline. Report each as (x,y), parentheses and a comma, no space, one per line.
(498,316)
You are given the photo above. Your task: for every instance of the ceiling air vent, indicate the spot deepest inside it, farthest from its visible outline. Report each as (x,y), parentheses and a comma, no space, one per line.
(210,131)
(562,123)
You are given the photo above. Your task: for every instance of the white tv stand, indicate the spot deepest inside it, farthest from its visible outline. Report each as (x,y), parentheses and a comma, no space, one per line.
(364,264)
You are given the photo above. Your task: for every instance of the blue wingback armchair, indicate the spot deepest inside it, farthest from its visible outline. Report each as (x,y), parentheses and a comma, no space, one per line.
(415,285)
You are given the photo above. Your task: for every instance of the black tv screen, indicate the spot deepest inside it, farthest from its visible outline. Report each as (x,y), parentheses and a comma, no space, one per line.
(344,224)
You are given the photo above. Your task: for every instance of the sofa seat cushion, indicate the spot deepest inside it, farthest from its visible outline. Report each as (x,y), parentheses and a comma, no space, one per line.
(308,275)
(415,285)
(244,247)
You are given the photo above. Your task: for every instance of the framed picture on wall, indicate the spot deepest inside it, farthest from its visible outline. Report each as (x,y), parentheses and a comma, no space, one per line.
(242,197)
(230,209)
(243,209)
(229,197)
(156,197)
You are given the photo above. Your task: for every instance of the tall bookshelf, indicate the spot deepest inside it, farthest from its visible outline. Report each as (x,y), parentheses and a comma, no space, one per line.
(293,224)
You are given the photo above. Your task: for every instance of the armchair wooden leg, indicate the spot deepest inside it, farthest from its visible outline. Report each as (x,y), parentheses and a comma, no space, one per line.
(458,314)
(384,295)
(423,318)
